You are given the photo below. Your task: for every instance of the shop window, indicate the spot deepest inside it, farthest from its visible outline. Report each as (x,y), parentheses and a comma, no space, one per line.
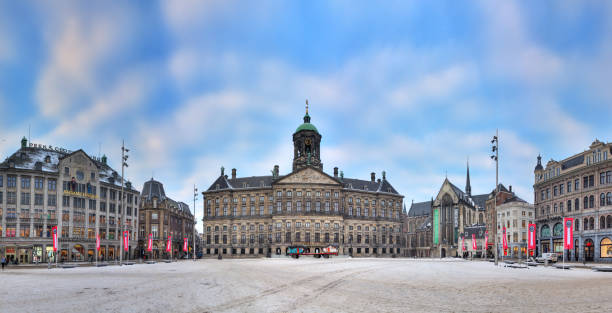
(606,248)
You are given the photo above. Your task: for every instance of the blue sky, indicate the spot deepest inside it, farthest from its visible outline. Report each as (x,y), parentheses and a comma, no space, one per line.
(410,88)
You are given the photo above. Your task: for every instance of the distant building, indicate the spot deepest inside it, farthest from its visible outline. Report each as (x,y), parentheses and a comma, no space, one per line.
(44,186)
(579,187)
(261,215)
(161,217)
(418,227)
(515,214)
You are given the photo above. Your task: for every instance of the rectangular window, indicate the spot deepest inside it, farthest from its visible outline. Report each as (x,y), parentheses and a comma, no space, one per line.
(308,206)
(288,206)
(25,182)
(1,180)
(25,198)
(569,187)
(11,181)
(38,199)
(38,183)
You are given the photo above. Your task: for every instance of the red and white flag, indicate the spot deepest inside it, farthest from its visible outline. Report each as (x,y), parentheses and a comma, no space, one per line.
(55,242)
(568,233)
(98,242)
(486,239)
(185,244)
(168,244)
(505,242)
(463,243)
(150,244)
(126,240)
(474,246)
(531,237)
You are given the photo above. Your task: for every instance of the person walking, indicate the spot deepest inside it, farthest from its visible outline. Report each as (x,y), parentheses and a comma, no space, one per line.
(3,263)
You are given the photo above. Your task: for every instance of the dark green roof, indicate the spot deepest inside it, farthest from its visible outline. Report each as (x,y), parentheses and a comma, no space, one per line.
(307,125)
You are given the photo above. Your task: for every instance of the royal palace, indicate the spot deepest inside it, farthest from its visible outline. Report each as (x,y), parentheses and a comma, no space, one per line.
(265,215)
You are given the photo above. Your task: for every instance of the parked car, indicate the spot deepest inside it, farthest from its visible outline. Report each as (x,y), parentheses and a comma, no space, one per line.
(551,257)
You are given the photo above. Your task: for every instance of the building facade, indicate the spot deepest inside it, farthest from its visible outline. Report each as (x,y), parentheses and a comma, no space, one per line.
(264,215)
(515,214)
(161,217)
(44,186)
(418,230)
(579,187)
(496,197)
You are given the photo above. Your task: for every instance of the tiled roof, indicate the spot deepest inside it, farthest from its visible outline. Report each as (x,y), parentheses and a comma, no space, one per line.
(257,181)
(153,188)
(420,208)
(32,158)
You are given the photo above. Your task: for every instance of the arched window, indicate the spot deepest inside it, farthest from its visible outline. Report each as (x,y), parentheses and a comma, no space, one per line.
(591,201)
(609,198)
(577,225)
(602,222)
(558,230)
(545,231)
(586,224)
(606,248)
(576,204)
(602,199)
(609,221)
(591,223)
(585,203)
(480,219)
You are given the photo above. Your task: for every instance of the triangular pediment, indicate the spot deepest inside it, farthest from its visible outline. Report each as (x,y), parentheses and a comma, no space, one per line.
(80,157)
(308,176)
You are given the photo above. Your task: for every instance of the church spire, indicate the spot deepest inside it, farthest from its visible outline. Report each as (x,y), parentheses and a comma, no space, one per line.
(468,187)
(306,117)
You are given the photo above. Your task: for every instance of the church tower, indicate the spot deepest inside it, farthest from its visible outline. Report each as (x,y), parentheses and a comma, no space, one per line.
(306,145)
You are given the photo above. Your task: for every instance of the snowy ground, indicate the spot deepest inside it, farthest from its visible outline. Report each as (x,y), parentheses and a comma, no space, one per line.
(306,285)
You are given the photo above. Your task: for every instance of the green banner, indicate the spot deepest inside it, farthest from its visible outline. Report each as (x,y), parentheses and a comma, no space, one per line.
(436,225)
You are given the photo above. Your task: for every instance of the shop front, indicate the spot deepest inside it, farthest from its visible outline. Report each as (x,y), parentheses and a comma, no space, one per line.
(11,254)
(50,255)
(37,254)
(24,254)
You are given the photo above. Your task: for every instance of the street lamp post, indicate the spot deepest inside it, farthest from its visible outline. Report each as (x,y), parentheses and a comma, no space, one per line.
(195,197)
(124,164)
(495,148)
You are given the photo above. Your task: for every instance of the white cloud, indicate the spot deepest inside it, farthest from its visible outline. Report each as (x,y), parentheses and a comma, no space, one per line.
(511,51)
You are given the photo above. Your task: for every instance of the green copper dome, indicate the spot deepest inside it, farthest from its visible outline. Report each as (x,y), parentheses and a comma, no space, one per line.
(306,125)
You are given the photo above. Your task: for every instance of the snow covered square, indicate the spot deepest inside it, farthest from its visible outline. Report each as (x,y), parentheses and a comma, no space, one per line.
(306,285)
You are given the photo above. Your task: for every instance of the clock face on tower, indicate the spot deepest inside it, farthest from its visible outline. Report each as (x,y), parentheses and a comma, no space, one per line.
(307,141)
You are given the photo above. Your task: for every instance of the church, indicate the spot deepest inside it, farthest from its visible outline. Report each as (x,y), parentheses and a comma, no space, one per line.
(266,215)
(443,226)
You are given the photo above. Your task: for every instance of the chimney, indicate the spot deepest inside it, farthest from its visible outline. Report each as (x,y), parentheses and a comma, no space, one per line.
(373,177)
(233,173)
(336,171)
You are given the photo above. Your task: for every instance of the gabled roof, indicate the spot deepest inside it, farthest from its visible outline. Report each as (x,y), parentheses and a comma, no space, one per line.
(256,181)
(420,209)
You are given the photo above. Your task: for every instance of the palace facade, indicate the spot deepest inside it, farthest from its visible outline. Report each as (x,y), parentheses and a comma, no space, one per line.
(43,186)
(579,187)
(264,215)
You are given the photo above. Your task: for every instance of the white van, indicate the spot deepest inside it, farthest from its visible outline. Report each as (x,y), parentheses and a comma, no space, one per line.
(551,257)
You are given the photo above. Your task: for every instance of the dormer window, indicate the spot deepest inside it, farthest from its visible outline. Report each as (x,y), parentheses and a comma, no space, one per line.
(47,159)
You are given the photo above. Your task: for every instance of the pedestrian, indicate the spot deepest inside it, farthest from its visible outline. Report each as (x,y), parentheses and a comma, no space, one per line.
(3,263)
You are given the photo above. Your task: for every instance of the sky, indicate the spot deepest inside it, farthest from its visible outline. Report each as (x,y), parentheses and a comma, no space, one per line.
(413,88)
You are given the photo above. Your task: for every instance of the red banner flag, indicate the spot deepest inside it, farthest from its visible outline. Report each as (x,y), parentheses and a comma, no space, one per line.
(126,240)
(568,234)
(486,239)
(98,242)
(169,244)
(531,237)
(505,242)
(150,244)
(474,246)
(463,243)
(185,244)
(55,241)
